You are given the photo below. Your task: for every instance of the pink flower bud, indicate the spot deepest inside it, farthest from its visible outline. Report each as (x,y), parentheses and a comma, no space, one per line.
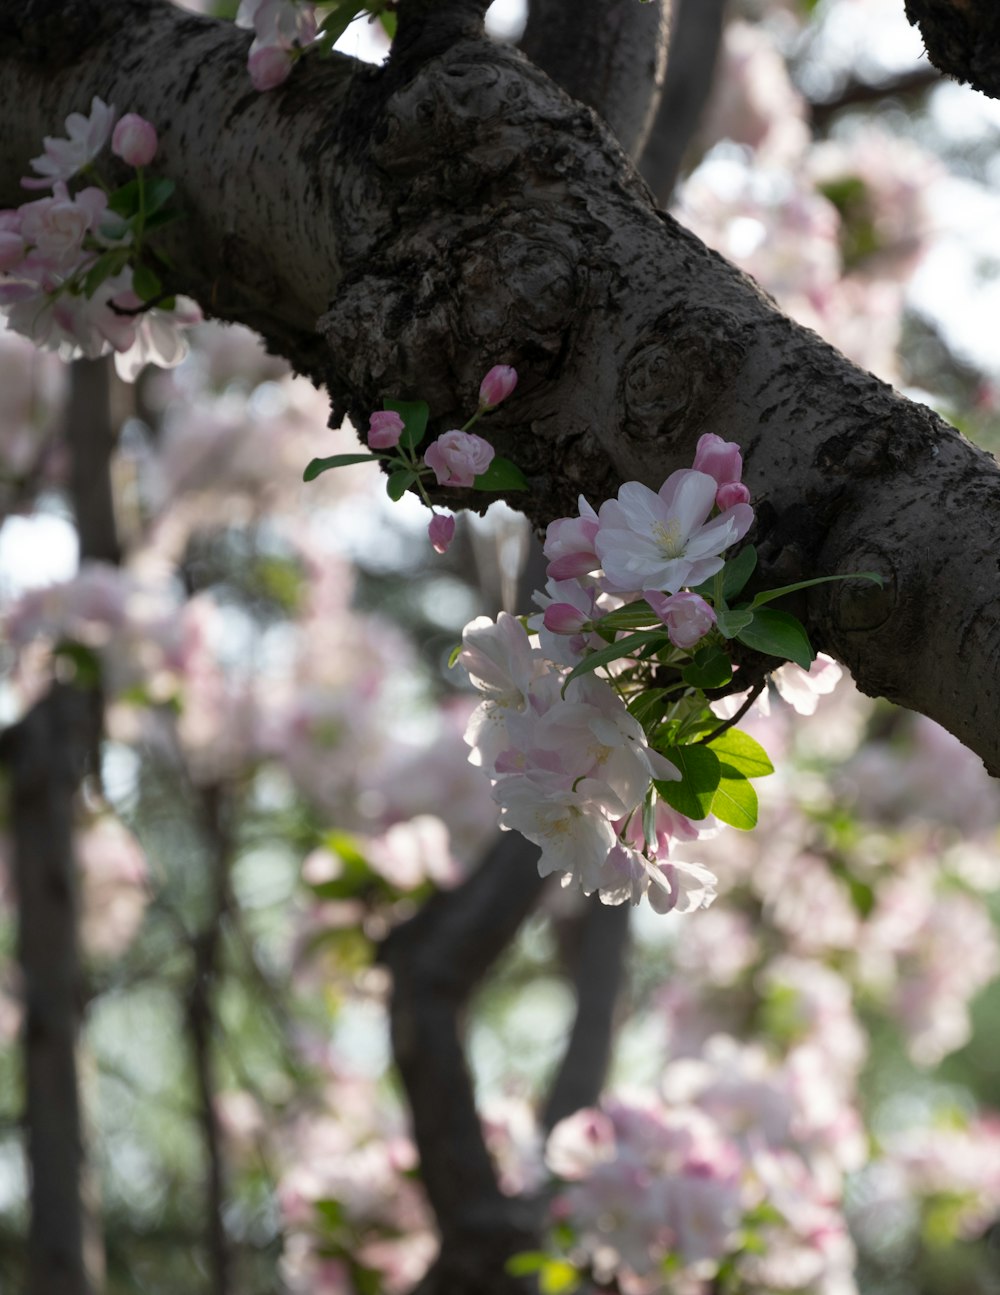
(497,385)
(385,427)
(134,140)
(563,618)
(441,531)
(687,616)
(733,492)
(720,459)
(457,458)
(269,66)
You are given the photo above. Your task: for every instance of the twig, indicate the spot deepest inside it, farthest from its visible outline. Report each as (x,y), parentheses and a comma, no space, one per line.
(755,692)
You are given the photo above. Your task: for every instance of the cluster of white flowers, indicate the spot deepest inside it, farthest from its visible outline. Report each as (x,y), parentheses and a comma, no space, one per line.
(572,767)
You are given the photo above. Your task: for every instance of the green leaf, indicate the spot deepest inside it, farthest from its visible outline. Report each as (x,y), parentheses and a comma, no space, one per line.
(769,595)
(730,623)
(743,752)
(501,475)
(337,22)
(738,571)
(157,193)
(648,707)
(106,265)
(319,466)
(709,668)
(700,776)
(160,218)
(399,482)
(414,414)
(84,662)
(454,654)
(125,201)
(778,634)
(614,652)
(632,617)
(146,283)
(649,817)
(526,1262)
(735,801)
(558,1277)
(388,21)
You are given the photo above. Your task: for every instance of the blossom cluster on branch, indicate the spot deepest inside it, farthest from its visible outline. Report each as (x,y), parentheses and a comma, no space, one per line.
(77,273)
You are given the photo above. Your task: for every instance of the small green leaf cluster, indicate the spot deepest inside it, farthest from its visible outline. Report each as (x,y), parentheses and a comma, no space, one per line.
(406,468)
(666,688)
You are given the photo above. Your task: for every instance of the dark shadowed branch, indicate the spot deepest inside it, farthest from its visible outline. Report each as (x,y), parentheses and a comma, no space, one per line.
(962,39)
(859,94)
(46,754)
(694,49)
(609,54)
(205,946)
(437,959)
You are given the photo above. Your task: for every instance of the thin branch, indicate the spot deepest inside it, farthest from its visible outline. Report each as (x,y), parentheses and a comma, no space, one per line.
(202,1024)
(856,94)
(90,437)
(598,962)
(755,692)
(609,54)
(694,50)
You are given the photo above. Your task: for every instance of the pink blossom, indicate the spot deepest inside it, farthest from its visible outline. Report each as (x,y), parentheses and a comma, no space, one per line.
(497,386)
(63,158)
(134,140)
(56,226)
(663,540)
(569,544)
(385,427)
(563,618)
(457,458)
(720,459)
(441,531)
(733,492)
(687,616)
(688,886)
(269,66)
(279,22)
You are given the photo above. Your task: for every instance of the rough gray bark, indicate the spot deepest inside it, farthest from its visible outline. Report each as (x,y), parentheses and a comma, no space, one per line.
(444,214)
(962,38)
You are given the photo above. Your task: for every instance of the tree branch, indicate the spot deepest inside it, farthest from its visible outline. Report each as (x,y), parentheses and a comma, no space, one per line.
(609,54)
(465,212)
(202,1025)
(694,51)
(437,959)
(90,443)
(858,93)
(46,752)
(962,38)
(601,939)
